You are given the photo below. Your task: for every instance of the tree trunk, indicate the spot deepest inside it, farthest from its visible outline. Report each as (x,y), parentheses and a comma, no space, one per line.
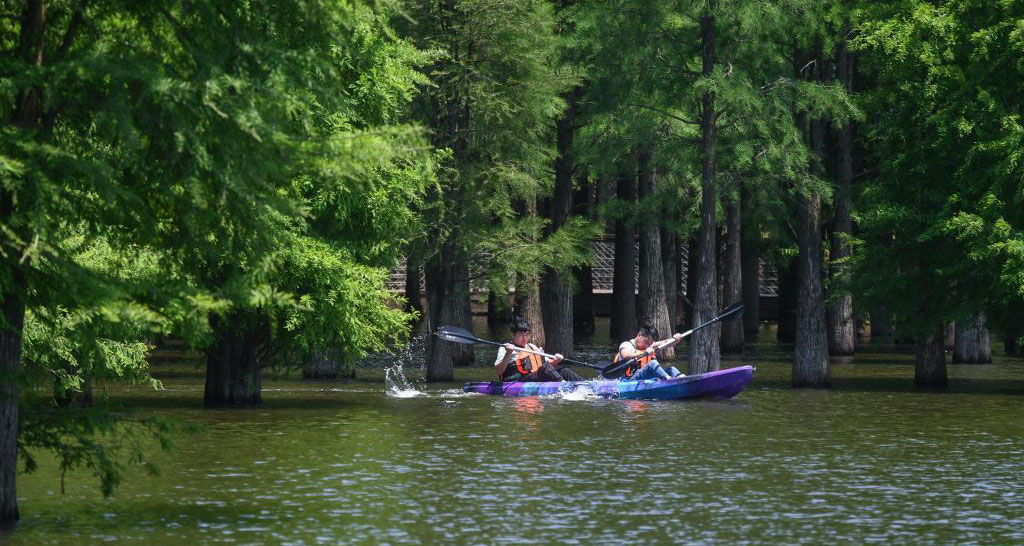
(413,296)
(930,361)
(811,363)
(27,113)
(971,343)
(732,290)
(528,307)
(10,369)
(750,256)
(623,314)
(232,362)
(584,205)
(788,294)
(704,347)
(556,290)
(447,304)
(653,303)
(841,327)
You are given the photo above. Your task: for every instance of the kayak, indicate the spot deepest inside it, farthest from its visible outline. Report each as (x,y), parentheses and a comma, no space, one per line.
(717,384)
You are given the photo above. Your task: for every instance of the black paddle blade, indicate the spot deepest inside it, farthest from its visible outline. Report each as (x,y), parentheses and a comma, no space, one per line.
(456,335)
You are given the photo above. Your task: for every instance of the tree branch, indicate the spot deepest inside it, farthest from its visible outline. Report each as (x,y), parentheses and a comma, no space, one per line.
(69,35)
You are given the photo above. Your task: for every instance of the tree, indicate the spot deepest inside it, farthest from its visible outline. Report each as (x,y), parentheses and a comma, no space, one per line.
(212,137)
(949,151)
(495,98)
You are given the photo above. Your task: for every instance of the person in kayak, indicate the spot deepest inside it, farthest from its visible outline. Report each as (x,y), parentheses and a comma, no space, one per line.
(644,348)
(515,365)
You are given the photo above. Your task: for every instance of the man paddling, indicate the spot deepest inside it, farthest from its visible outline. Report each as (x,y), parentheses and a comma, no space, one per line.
(643,348)
(513,364)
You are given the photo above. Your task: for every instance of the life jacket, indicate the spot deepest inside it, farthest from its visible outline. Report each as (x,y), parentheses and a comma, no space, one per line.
(524,363)
(636,364)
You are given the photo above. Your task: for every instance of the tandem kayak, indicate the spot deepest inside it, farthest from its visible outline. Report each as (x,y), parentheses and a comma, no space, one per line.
(717,384)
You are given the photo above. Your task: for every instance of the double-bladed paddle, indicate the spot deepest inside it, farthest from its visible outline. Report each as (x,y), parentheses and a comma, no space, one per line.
(616,367)
(464,336)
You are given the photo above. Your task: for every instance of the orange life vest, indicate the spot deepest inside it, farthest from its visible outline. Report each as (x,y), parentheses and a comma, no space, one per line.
(636,364)
(525,363)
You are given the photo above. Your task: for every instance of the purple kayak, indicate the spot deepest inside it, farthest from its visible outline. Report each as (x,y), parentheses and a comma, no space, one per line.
(718,384)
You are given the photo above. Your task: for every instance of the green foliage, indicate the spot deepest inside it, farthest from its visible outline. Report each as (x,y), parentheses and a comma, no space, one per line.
(496,93)
(944,125)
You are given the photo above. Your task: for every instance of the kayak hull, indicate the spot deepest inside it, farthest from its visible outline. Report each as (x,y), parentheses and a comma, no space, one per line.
(718,384)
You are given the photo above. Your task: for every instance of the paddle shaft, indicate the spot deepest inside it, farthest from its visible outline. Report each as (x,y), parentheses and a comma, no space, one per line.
(620,365)
(525,350)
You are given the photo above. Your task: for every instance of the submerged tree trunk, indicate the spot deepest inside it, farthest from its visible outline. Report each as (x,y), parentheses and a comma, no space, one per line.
(623,314)
(584,204)
(842,330)
(232,362)
(448,304)
(811,362)
(971,341)
(704,348)
(788,294)
(10,369)
(653,305)
(732,289)
(930,361)
(557,290)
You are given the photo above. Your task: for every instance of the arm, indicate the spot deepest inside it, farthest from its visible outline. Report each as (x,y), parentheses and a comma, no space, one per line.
(504,357)
(627,350)
(668,342)
(553,361)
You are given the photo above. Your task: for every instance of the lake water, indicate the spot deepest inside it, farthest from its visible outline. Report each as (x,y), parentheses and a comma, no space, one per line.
(871,460)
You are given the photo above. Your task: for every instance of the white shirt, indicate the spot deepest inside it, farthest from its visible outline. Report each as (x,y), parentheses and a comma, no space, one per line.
(501,353)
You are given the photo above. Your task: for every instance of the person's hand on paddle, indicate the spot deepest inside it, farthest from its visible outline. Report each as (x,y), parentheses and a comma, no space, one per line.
(678,337)
(557,359)
(509,347)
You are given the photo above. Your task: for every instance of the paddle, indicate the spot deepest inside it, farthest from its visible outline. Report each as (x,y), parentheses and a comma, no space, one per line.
(455,334)
(619,366)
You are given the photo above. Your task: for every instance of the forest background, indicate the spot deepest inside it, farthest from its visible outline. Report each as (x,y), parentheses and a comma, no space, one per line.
(243,175)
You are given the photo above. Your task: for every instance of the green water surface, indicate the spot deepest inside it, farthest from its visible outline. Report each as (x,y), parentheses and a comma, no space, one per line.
(871,460)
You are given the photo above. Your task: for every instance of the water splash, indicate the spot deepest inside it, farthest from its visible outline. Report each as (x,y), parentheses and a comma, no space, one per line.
(581,393)
(395,382)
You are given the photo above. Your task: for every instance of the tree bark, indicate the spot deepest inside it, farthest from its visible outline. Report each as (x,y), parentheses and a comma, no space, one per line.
(10,369)
(842,330)
(732,289)
(232,362)
(584,204)
(811,362)
(788,294)
(971,341)
(704,344)
(623,314)
(528,307)
(653,303)
(930,361)
(26,115)
(447,303)
(555,289)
